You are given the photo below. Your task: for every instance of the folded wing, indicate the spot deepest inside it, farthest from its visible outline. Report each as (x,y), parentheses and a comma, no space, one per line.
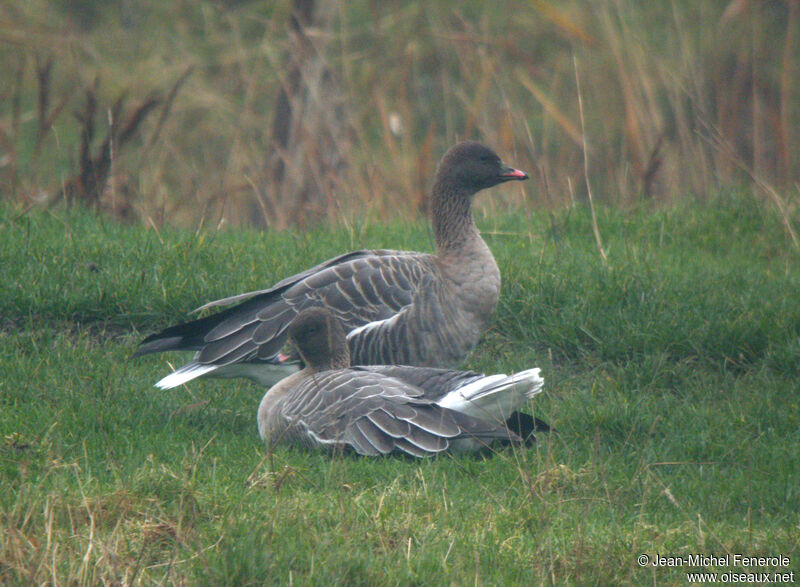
(359,288)
(377,415)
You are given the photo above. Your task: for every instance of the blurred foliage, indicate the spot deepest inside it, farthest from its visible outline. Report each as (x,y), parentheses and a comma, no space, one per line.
(679,98)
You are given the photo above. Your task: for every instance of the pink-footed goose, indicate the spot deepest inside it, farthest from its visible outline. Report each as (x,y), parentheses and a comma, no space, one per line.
(377,410)
(397,307)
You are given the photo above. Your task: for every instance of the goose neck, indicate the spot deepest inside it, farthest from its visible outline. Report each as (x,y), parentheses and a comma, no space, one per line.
(339,359)
(453,225)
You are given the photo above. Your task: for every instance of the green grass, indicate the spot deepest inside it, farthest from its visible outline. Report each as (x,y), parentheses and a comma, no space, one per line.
(672,378)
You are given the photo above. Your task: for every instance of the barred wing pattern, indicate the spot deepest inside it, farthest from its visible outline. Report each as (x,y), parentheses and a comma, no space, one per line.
(435,382)
(373,415)
(431,330)
(359,288)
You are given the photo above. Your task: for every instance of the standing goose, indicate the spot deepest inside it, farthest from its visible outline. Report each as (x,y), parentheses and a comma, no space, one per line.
(375,410)
(397,307)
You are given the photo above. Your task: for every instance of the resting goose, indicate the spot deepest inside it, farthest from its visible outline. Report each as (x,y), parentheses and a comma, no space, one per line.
(397,307)
(378,410)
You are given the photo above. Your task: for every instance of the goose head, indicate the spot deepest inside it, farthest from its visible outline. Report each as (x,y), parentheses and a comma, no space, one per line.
(320,339)
(469,167)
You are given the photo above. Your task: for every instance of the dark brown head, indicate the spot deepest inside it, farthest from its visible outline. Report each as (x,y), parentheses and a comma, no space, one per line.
(320,339)
(469,167)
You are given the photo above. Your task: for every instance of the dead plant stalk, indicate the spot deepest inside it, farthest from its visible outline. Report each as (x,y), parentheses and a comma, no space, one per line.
(595,228)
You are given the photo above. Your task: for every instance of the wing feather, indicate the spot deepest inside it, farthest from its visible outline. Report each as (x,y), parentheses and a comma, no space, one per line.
(410,448)
(394,427)
(427,441)
(434,421)
(227,350)
(360,443)
(383,443)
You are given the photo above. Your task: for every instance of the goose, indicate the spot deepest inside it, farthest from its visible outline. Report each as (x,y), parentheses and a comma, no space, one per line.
(397,307)
(377,410)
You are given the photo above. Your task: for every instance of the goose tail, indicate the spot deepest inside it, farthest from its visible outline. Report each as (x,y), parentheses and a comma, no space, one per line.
(189,371)
(495,397)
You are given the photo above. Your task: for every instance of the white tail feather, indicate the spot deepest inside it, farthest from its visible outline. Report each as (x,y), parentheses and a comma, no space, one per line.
(266,374)
(495,396)
(184,374)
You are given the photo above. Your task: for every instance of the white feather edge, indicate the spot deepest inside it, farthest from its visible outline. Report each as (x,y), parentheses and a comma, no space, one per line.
(265,374)
(372,325)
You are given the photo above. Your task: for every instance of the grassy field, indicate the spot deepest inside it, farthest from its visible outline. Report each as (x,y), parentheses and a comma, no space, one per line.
(672,368)
(672,377)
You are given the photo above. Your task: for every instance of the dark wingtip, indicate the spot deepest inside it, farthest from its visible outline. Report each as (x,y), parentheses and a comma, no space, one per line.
(542,426)
(153,344)
(525,426)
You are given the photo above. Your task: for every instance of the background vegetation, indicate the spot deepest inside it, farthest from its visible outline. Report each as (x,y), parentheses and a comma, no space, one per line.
(669,338)
(275,113)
